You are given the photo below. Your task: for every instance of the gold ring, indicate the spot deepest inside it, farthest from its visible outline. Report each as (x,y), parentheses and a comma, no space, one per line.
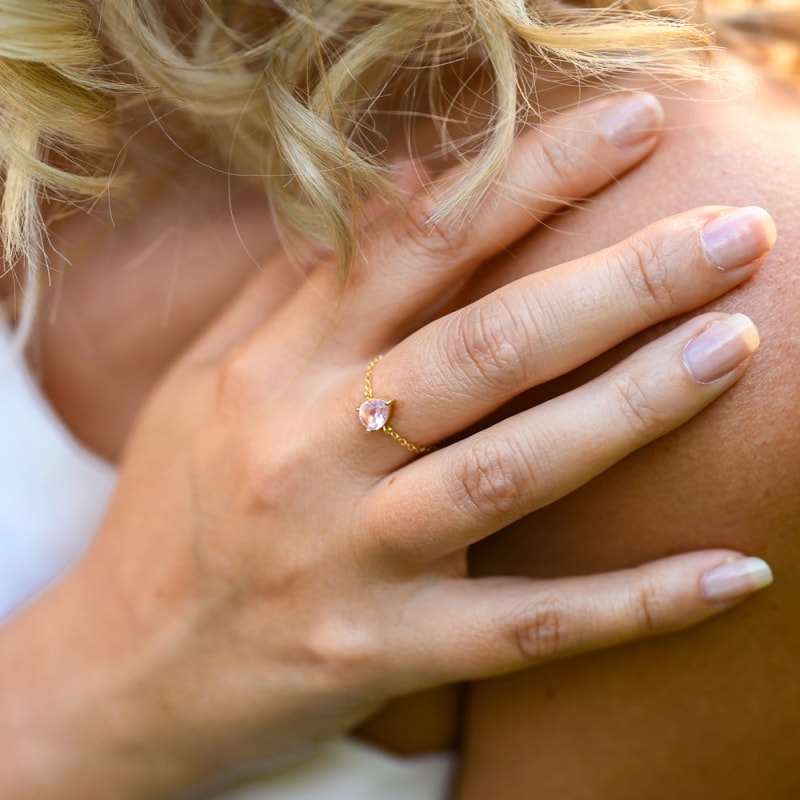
(374,414)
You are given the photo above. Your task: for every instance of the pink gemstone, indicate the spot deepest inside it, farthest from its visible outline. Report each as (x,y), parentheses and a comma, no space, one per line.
(374,414)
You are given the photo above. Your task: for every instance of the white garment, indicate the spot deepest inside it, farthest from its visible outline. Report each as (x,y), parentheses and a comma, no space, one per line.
(52,490)
(52,495)
(349,770)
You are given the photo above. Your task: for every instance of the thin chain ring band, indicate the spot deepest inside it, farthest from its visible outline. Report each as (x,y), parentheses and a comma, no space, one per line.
(374,414)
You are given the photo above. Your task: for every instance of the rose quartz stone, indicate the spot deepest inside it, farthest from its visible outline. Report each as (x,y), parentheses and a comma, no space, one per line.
(374,414)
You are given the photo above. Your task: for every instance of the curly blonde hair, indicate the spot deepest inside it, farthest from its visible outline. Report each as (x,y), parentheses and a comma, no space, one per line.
(294,92)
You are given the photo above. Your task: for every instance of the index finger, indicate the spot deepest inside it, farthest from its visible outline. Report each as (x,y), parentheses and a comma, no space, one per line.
(406,264)
(568,158)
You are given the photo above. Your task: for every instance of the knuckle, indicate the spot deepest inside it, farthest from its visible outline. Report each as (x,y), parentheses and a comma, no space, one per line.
(544,634)
(492,480)
(267,481)
(486,346)
(650,606)
(645,267)
(640,413)
(265,477)
(562,161)
(429,241)
(236,380)
(342,650)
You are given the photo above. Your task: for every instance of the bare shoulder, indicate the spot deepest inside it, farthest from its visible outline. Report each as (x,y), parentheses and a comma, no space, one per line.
(714,711)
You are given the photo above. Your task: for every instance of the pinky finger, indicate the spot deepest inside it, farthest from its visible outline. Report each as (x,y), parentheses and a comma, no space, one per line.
(477,628)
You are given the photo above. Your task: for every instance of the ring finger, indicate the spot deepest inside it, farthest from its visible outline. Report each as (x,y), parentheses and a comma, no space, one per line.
(456,496)
(456,370)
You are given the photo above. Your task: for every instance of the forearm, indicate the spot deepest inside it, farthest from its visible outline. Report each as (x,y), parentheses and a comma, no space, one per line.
(74,722)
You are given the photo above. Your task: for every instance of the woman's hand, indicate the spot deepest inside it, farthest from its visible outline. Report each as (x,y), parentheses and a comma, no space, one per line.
(269,573)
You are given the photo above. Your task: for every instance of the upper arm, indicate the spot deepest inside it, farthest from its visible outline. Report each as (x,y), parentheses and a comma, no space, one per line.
(713,711)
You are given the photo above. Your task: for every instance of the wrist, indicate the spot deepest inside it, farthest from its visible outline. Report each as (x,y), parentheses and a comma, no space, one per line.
(75,719)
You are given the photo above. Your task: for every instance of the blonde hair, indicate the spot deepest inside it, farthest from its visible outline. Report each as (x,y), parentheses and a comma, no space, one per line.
(293,92)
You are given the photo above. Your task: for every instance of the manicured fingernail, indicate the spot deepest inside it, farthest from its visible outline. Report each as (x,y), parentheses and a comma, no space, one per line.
(720,348)
(739,236)
(632,120)
(735,579)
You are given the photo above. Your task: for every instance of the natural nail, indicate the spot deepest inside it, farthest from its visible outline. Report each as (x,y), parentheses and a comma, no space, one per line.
(735,580)
(631,121)
(739,236)
(720,348)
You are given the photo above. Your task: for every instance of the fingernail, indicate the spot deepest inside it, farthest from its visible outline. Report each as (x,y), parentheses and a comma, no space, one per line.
(739,236)
(632,120)
(735,579)
(721,348)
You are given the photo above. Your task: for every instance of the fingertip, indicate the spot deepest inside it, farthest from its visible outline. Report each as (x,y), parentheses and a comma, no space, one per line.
(735,580)
(724,345)
(739,237)
(631,120)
